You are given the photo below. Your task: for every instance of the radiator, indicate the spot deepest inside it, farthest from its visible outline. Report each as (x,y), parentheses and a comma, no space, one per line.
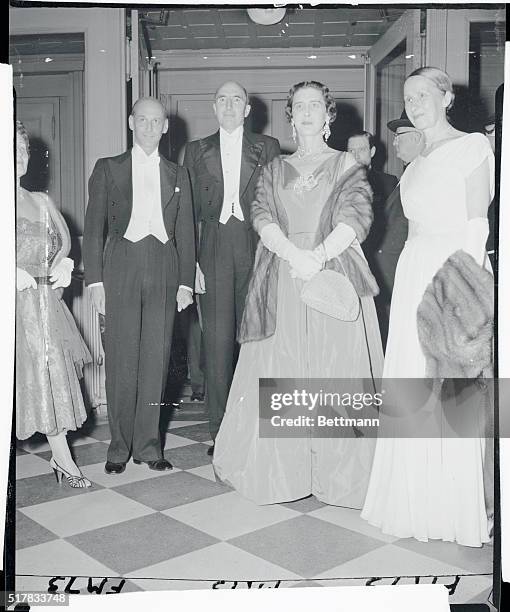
(87,320)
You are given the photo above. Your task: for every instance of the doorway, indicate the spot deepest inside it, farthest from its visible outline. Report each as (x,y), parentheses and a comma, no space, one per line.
(41,118)
(48,81)
(48,84)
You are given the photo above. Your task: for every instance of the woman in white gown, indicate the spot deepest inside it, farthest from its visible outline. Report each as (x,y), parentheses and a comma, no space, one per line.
(312,208)
(432,487)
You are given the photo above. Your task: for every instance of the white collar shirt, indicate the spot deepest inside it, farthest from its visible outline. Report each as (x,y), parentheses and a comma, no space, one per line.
(231,146)
(146,215)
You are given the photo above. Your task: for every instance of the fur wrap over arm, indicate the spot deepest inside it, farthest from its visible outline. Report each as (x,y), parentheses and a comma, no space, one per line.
(456,320)
(350,202)
(259,315)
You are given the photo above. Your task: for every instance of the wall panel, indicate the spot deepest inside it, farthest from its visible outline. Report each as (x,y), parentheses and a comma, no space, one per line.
(188,95)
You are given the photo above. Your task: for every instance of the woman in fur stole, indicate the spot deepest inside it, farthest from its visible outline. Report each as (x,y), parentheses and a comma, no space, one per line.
(312,210)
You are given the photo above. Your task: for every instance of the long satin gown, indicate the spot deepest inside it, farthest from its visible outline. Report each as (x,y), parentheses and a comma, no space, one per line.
(50,352)
(306,344)
(429,487)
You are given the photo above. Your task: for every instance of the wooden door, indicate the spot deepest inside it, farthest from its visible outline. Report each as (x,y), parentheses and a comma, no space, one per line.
(390,60)
(143,77)
(41,118)
(192,117)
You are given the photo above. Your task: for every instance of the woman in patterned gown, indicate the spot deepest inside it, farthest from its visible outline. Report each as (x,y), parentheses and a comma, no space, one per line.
(50,353)
(312,209)
(433,487)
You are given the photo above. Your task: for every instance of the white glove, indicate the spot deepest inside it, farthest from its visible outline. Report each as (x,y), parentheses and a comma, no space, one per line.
(477,232)
(304,263)
(61,274)
(199,281)
(24,280)
(184,298)
(97,297)
(338,240)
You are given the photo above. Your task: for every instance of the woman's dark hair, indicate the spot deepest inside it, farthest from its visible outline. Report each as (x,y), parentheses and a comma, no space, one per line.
(328,98)
(22,134)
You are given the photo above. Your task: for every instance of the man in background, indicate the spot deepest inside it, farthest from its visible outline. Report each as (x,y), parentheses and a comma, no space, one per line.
(224,169)
(363,147)
(408,143)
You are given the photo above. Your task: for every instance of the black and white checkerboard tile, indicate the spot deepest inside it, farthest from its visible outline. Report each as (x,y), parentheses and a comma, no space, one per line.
(183,529)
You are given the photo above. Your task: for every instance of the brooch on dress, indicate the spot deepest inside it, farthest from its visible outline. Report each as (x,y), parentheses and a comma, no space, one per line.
(305,183)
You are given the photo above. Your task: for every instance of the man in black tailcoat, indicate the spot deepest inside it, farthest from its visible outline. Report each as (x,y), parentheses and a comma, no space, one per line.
(142,203)
(224,169)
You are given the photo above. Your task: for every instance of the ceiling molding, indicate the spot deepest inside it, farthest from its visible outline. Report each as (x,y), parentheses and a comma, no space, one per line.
(302,26)
(34,64)
(189,59)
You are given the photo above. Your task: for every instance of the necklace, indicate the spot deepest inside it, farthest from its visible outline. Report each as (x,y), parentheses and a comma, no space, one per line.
(302,152)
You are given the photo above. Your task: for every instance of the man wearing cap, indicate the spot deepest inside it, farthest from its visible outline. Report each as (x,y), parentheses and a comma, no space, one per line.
(408,143)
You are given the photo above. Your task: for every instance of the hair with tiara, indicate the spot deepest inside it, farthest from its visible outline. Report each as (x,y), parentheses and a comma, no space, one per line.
(440,79)
(328,98)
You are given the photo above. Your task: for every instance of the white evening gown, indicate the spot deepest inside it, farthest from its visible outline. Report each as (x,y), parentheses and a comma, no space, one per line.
(429,487)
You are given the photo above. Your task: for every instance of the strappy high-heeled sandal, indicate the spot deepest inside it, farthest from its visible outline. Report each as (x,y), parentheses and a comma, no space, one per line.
(76,482)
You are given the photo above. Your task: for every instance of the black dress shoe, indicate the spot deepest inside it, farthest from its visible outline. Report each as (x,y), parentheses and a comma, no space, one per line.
(197,396)
(210,450)
(114,468)
(160,465)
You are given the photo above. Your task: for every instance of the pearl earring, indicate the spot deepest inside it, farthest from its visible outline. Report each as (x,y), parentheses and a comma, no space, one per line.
(294,133)
(326,130)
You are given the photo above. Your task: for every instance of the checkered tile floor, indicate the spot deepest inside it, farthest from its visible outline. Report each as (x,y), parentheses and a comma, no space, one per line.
(150,527)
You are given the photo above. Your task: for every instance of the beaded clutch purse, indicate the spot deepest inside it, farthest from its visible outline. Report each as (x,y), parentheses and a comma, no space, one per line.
(332,294)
